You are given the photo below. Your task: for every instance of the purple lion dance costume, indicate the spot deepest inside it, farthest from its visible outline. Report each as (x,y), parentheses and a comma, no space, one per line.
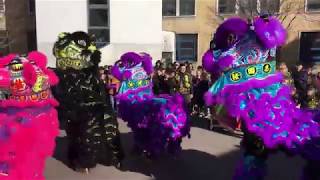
(158,123)
(249,88)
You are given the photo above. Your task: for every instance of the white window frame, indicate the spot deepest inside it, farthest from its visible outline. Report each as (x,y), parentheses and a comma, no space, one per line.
(237,8)
(99,6)
(178,10)
(309,11)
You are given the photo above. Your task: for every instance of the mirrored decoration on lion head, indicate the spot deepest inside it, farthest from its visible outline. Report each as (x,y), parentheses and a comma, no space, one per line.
(76,51)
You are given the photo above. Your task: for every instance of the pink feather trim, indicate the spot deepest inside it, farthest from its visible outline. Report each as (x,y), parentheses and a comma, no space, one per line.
(4,61)
(29,74)
(53,78)
(39,58)
(4,78)
(19,104)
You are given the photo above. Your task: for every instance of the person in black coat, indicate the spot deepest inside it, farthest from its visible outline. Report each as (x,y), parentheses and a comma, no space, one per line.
(200,89)
(300,77)
(170,84)
(158,81)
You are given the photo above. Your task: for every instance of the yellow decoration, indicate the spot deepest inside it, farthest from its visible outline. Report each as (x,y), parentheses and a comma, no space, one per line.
(267,68)
(130,84)
(62,35)
(235,76)
(39,83)
(251,71)
(92,48)
(140,83)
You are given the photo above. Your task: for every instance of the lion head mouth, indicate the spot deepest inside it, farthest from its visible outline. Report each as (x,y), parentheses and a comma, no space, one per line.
(16,65)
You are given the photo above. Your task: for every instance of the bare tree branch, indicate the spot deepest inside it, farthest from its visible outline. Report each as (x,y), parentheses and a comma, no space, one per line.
(289,9)
(291,21)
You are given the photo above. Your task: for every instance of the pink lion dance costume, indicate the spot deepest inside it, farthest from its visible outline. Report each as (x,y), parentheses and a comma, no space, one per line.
(158,123)
(29,121)
(250,89)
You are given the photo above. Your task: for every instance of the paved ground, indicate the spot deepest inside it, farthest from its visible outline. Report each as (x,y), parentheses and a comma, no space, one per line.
(207,155)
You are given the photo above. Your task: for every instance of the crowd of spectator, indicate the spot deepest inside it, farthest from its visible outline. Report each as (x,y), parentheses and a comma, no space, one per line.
(173,78)
(183,78)
(305,84)
(192,83)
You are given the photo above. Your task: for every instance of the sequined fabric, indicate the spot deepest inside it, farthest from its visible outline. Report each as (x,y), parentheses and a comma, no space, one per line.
(91,125)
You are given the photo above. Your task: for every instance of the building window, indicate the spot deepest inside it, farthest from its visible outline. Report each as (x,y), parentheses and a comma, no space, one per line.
(313,5)
(269,6)
(169,7)
(187,7)
(99,21)
(249,7)
(310,47)
(187,47)
(226,6)
(178,7)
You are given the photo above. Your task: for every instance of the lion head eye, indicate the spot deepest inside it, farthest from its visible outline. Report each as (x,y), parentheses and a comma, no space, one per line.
(82,43)
(63,41)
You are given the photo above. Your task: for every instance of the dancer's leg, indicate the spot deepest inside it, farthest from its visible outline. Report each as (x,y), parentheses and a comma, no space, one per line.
(81,131)
(112,153)
(253,164)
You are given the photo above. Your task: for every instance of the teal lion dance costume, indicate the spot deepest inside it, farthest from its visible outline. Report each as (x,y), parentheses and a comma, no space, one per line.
(91,124)
(28,118)
(249,88)
(158,123)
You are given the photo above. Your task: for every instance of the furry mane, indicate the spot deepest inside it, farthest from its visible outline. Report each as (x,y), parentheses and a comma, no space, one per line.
(233,26)
(147,63)
(270,32)
(130,56)
(39,58)
(4,61)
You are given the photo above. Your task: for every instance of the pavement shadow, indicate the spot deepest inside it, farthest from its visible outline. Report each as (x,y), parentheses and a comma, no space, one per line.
(200,122)
(193,164)
(190,165)
(204,123)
